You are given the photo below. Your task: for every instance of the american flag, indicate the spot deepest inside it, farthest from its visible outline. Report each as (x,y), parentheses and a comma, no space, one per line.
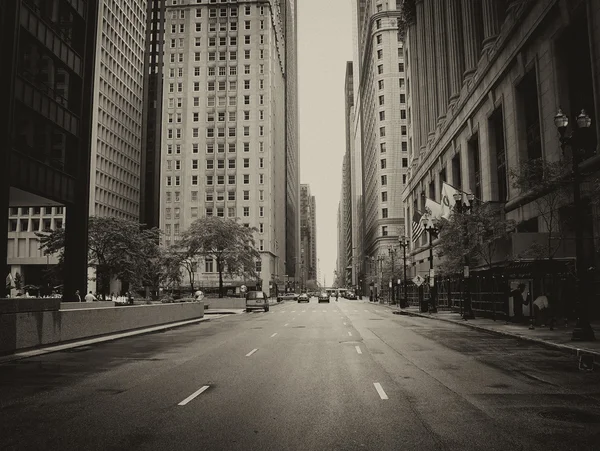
(417,227)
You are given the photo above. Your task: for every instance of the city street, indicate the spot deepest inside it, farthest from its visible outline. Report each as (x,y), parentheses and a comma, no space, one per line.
(347,375)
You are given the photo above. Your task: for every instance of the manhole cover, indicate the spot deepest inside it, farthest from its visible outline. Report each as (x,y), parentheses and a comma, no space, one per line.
(570,415)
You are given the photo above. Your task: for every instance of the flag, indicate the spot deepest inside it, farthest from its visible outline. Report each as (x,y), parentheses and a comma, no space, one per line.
(417,227)
(448,201)
(10,281)
(433,208)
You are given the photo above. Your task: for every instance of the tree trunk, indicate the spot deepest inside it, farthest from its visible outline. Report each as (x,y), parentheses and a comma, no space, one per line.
(219,267)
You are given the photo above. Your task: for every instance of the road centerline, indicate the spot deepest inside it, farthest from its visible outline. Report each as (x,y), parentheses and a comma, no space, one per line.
(193,395)
(380,390)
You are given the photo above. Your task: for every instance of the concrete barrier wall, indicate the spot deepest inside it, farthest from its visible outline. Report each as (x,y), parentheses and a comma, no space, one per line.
(31,329)
(234,303)
(80,305)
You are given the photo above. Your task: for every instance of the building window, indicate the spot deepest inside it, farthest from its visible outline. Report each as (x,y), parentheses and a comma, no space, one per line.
(246,211)
(528,95)
(404,162)
(384,196)
(474,166)
(384,213)
(382,131)
(379,54)
(380,84)
(456,172)
(384,230)
(383,163)
(383,180)
(381,100)
(382,115)
(496,126)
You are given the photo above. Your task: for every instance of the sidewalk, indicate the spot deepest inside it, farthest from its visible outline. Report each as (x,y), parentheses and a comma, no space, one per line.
(559,338)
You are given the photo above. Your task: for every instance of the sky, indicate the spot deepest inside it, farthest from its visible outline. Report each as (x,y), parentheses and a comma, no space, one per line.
(324,47)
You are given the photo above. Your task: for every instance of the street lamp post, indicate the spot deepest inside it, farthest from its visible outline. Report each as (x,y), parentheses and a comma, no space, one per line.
(380,259)
(392,253)
(576,141)
(433,232)
(404,243)
(465,209)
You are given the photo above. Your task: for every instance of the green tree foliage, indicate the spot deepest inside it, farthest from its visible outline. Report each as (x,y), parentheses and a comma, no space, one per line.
(230,244)
(474,235)
(549,185)
(116,248)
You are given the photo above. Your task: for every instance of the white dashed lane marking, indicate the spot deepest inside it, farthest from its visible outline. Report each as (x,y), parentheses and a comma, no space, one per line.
(379,389)
(358,349)
(193,395)
(273,334)
(350,334)
(251,352)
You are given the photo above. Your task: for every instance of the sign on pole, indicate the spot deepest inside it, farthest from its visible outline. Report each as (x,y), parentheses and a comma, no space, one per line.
(418,280)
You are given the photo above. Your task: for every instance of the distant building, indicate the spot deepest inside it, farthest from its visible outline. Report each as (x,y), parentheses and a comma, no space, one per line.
(308,235)
(229,80)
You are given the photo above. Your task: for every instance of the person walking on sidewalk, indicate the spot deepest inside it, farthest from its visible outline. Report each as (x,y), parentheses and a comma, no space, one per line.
(518,300)
(90,297)
(541,309)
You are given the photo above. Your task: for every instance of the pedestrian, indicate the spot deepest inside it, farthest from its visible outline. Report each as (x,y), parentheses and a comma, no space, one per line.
(517,295)
(90,297)
(541,309)
(77,296)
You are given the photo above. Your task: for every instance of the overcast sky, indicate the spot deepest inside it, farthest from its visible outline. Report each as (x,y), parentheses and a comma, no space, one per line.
(324,46)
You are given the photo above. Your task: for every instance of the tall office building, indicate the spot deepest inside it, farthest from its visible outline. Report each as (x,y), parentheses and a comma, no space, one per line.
(48,47)
(381,113)
(292,145)
(308,234)
(487,79)
(152,123)
(118,104)
(224,131)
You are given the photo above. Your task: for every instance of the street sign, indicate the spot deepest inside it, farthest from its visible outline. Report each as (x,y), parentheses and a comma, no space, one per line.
(418,280)
(243,288)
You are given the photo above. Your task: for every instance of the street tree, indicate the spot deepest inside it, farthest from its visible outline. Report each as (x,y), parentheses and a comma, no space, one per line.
(117,248)
(548,183)
(475,235)
(230,244)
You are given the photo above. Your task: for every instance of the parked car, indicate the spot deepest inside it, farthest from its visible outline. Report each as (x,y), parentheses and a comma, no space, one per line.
(257,300)
(323,297)
(303,298)
(350,295)
(287,297)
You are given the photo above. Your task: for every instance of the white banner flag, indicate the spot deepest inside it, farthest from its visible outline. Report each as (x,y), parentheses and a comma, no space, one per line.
(434,209)
(448,201)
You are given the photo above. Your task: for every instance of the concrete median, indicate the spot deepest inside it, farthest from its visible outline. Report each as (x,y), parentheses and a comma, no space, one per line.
(37,324)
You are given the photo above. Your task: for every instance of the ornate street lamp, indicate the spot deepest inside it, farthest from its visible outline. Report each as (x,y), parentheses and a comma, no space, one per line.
(465,209)
(433,231)
(576,140)
(404,243)
(392,254)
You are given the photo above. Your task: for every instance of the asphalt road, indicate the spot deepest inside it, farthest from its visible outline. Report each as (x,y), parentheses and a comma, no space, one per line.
(348,375)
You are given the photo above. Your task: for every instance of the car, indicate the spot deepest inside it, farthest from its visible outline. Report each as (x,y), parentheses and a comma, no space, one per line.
(350,295)
(303,298)
(287,297)
(323,297)
(257,300)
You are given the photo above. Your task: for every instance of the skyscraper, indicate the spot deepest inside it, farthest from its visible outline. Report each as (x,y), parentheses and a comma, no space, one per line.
(308,235)
(227,149)
(48,48)
(380,128)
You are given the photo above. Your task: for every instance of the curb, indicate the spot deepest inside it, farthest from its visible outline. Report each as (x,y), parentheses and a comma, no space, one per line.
(556,346)
(93,340)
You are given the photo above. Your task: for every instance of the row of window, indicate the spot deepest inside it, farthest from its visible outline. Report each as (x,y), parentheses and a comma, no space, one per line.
(35,211)
(210,164)
(175,196)
(220,116)
(210,148)
(34,224)
(175,180)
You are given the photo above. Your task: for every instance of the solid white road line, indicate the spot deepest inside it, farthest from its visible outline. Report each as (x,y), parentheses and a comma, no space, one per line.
(193,395)
(350,334)
(251,352)
(358,349)
(273,334)
(379,389)
(293,311)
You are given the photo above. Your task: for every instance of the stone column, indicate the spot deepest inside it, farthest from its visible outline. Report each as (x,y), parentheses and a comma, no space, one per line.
(422,74)
(491,25)
(432,105)
(456,56)
(414,69)
(441,59)
(471,44)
